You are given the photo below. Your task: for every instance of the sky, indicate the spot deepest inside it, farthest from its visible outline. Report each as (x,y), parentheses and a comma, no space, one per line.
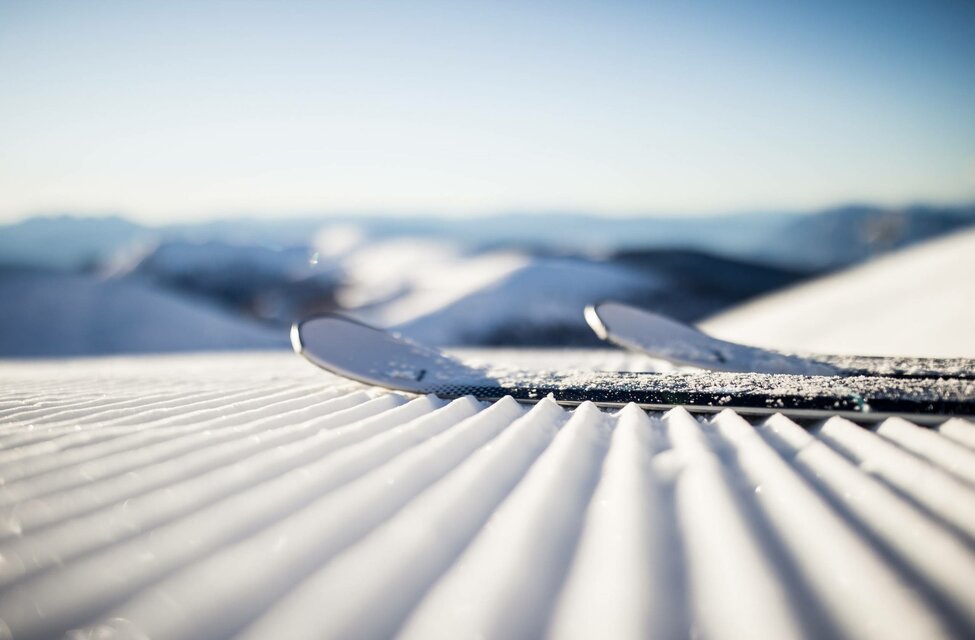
(190,110)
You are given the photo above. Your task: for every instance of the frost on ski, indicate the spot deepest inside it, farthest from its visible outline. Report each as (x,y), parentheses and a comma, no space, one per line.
(380,358)
(756,391)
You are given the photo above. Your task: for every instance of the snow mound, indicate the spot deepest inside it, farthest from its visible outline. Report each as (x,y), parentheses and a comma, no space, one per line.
(540,302)
(916,302)
(398,281)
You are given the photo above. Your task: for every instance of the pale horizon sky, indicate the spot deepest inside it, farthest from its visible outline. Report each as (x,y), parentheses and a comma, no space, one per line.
(185,111)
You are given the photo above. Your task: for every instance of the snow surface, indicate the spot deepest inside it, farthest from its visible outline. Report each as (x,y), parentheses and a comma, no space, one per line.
(916,302)
(252,495)
(72,314)
(397,281)
(540,295)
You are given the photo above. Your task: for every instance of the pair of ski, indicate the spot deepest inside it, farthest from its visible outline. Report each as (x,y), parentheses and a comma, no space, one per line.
(747,379)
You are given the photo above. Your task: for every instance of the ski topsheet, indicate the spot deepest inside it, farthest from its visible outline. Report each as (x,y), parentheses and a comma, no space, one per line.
(376,357)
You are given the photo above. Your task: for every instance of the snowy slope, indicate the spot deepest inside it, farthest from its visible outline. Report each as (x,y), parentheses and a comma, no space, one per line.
(919,301)
(252,495)
(540,302)
(71,314)
(440,294)
(395,281)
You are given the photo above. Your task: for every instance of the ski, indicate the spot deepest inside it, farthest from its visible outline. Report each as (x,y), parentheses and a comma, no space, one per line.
(667,339)
(376,357)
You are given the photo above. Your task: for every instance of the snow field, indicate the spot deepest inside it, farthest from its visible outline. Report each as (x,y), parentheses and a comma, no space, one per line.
(340,510)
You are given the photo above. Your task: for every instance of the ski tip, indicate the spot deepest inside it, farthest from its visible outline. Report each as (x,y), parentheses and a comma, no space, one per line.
(591,314)
(353,349)
(321,338)
(302,330)
(296,337)
(605,313)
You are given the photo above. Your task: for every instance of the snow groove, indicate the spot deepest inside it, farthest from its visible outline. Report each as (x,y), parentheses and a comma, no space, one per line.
(960,431)
(76,444)
(927,444)
(503,585)
(399,561)
(101,411)
(88,587)
(734,589)
(930,486)
(940,558)
(302,540)
(620,583)
(859,591)
(72,502)
(249,495)
(104,464)
(69,538)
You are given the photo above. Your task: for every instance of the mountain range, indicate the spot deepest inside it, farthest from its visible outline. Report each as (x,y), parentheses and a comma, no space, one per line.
(107,285)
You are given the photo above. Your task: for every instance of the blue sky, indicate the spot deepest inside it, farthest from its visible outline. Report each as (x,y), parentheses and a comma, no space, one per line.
(184,110)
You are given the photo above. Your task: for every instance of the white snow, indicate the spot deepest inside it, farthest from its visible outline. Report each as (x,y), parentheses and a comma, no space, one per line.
(916,302)
(505,582)
(397,281)
(72,314)
(525,295)
(303,508)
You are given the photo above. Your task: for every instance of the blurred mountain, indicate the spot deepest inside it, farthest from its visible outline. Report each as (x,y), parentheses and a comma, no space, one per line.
(701,283)
(843,236)
(812,241)
(540,301)
(507,280)
(269,283)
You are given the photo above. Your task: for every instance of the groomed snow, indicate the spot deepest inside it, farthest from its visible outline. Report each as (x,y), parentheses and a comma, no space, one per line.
(252,495)
(916,302)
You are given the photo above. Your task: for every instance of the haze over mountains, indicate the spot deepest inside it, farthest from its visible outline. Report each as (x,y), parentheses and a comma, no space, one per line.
(819,240)
(76,286)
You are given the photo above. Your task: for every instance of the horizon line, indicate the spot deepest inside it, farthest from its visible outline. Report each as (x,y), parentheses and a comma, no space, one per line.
(414,214)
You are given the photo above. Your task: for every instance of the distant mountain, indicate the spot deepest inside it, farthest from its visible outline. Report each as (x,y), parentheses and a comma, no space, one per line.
(813,241)
(702,283)
(538,303)
(105,285)
(843,236)
(276,284)
(541,301)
